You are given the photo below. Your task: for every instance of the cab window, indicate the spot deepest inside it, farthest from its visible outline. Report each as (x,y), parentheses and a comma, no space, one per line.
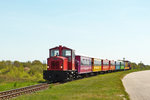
(54,52)
(66,53)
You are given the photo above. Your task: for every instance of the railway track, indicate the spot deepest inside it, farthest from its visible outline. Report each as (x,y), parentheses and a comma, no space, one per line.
(20,91)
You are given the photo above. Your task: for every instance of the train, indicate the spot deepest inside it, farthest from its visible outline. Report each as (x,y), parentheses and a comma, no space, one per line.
(64,65)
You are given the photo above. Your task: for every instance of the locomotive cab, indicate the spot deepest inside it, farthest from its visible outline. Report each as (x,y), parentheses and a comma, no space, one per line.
(61,58)
(61,64)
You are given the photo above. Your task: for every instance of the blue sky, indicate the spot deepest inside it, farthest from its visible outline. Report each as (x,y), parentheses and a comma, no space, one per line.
(110,29)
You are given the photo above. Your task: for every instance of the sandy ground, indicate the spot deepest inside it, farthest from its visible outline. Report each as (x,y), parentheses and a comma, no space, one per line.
(137,85)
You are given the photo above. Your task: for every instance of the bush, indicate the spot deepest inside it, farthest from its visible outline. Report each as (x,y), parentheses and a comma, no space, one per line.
(22,70)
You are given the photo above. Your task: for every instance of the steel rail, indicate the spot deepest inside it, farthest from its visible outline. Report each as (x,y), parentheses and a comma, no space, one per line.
(20,91)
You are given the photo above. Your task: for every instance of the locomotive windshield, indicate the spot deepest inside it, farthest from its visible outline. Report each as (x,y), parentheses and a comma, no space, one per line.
(54,52)
(66,53)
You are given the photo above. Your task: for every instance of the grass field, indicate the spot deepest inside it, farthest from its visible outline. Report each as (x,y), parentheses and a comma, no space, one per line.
(13,85)
(102,87)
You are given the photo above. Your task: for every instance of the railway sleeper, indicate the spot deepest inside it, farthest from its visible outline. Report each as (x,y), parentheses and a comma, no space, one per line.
(13,93)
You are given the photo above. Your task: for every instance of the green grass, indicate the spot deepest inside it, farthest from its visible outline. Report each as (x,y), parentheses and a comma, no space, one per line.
(13,85)
(102,87)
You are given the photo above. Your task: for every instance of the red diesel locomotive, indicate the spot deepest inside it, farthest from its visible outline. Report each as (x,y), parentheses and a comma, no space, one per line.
(64,65)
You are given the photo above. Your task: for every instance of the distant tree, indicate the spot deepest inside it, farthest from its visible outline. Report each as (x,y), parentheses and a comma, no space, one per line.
(17,63)
(141,65)
(8,63)
(147,66)
(36,69)
(36,62)
(2,64)
(27,64)
(134,65)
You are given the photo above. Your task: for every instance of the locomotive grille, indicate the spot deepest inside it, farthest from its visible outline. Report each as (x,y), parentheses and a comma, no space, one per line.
(55,65)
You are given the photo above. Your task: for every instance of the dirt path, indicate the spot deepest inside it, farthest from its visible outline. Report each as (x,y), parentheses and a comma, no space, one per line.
(137,85)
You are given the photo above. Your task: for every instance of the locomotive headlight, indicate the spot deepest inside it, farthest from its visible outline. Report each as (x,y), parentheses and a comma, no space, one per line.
(47,66)
(61,67)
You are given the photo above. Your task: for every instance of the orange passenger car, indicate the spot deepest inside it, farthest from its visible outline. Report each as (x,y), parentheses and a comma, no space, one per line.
(105,65)
(112,65)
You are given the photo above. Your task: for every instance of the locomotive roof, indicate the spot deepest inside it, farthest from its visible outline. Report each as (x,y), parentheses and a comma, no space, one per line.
(57,47)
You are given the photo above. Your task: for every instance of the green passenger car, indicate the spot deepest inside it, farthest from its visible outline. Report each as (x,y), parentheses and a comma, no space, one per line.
(121,65)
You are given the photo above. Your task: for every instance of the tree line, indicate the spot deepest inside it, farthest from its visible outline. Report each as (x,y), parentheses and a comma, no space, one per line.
(15,70)
(139,66)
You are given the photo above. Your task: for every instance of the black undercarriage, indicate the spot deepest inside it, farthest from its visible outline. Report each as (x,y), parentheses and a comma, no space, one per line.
(59,76)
